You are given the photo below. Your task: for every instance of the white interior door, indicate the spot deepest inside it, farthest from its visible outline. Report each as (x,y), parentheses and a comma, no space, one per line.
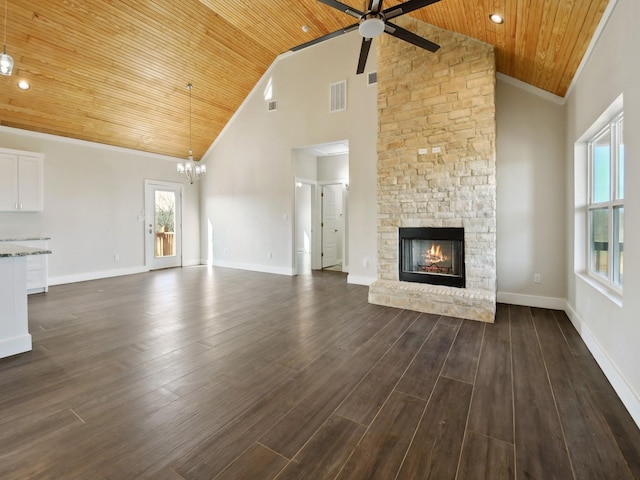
(329,226)
(163,224)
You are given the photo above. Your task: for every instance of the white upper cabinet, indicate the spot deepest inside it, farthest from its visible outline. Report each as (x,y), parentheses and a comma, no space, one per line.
(21,181)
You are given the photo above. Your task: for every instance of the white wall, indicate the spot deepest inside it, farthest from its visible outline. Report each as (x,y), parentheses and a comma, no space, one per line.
(610,328)
(332,168)
(531,232)
(248,194)
(93,196)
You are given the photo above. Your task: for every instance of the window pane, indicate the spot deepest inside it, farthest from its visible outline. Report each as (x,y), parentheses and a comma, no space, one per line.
(165,223)
(621,159)
(618,245)
(601,170)
(599,236)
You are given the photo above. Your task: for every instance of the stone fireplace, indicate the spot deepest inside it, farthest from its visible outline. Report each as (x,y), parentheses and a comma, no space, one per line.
(436,170)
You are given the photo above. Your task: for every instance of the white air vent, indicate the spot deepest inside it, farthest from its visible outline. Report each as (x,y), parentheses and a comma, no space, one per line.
(272,105)
(338,94)
(372,78)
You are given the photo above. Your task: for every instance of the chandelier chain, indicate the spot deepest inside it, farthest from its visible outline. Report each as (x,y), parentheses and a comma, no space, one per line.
(4,38)
(190,87)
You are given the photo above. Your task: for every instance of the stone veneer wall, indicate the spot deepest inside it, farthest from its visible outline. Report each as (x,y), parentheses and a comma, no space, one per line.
(447,100)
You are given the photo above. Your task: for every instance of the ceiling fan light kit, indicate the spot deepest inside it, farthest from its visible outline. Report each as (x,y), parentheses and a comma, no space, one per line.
(371,26)
(374,22)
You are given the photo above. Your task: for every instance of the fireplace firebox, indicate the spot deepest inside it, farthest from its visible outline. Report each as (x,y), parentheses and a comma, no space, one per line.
(432,255)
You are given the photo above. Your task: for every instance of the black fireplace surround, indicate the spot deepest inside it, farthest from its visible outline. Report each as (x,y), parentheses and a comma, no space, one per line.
(432,255)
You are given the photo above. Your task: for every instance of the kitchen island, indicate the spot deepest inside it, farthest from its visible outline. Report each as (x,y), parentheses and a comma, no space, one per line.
(14,324)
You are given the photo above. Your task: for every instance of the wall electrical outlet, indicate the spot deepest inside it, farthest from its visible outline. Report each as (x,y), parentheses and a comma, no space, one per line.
(536,278)
(422,151)
(116,257)
(436,150)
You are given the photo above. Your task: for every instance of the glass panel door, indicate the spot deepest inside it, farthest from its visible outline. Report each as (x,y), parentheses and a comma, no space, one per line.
(163,224)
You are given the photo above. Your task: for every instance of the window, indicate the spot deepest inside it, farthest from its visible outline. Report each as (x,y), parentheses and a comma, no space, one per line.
(606,204)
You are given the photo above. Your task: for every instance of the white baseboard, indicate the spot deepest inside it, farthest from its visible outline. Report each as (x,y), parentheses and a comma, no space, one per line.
(192,262)
(551,303)
(83,277)
(360,280)
(255,267)
(628,397)
(15,345)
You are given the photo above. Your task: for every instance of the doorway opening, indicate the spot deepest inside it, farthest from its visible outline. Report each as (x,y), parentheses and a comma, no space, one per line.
(321,207)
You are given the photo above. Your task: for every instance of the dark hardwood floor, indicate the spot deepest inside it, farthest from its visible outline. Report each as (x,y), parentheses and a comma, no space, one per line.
(202,373)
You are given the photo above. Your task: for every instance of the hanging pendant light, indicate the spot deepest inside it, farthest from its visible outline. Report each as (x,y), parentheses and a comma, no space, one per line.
(6,62)
(191,170)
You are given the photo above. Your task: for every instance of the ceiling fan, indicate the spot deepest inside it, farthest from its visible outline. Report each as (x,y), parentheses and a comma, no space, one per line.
(373,22)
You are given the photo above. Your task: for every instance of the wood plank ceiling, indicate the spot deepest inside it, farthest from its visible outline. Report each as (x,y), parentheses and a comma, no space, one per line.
(115,71)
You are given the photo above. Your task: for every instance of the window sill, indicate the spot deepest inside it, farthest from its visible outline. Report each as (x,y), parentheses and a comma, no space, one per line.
(614,297)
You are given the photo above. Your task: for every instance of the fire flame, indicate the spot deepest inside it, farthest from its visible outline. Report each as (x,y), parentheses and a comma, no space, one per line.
(435,255)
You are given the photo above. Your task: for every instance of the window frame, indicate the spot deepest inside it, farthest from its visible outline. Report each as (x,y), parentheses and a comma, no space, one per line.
(614,202)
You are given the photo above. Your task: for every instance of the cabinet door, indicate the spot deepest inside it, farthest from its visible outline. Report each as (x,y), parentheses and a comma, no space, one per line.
(30,183)
(8,182)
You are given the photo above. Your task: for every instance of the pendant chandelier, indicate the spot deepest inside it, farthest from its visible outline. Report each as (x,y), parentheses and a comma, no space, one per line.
(191,170)
(6,62)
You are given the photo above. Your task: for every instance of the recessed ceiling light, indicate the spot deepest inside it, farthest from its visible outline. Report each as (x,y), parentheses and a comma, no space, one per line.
(305,29)
(495,18)
(23,85)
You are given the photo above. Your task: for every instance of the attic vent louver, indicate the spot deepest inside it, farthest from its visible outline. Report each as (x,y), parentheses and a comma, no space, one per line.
(338,94)
(272,105)
(372,78)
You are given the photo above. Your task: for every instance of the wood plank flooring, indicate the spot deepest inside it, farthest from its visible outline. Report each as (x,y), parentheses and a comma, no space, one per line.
(201,373)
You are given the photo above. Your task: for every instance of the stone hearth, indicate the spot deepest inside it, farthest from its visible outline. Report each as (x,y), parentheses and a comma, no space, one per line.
(443,102)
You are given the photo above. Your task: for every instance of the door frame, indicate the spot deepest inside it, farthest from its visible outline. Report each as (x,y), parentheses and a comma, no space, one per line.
(149,232)
(312,213)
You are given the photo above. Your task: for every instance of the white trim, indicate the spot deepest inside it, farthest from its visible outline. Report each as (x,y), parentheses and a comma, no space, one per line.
(15,345)
(360,280)
(305,180)
(629,398)
(253,267)
(531,89)
(86,143)
(83,277)
(536,301)
(192,262)
(592,45)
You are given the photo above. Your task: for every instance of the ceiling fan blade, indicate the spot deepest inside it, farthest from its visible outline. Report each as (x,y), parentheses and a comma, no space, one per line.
(375,6)
(406,7)
(364,53)
(343,8)
(337,33)
(407,36)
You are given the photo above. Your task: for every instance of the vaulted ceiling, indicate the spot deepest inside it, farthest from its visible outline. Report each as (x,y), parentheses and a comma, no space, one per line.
(115,71)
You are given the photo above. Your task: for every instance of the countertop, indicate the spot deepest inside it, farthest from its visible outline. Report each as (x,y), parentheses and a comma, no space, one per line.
(10,250)
(24,238)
